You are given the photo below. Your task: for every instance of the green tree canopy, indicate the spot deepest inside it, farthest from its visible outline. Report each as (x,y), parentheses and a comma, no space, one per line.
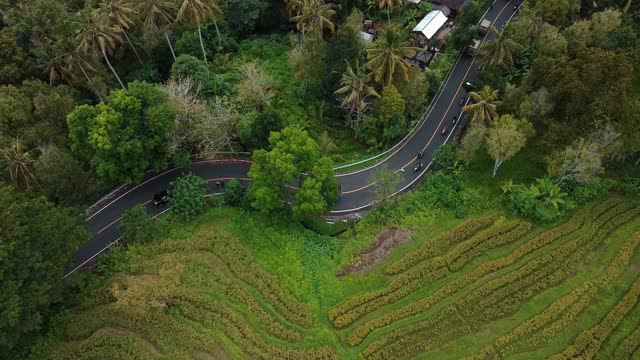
(127,136)
(505,138)
(37,243)
(293,156)
(186,197)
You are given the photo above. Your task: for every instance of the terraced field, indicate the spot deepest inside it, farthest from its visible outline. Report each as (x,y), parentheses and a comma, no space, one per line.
(485,288)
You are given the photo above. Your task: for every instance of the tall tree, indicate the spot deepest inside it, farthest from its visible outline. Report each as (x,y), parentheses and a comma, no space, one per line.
(315,16)
(99,38)
(388,55)
(389,4)
(158,15)
(37,243)
(505,138)
(472,141)
(499,51)
(118,13)
(484,106)
(354,92)
(386,183)
(197,12)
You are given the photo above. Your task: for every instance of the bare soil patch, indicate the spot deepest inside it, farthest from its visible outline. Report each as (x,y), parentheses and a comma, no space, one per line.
(377,252)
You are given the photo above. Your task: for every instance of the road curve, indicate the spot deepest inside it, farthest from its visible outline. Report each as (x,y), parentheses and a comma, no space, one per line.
(357,191)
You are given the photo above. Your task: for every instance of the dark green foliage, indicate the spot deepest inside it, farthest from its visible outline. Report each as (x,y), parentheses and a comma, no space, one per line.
(345,45)
(188,66)
(60,177)
(449,191)
(137,226)
(242,15)
(14,64)
(186,197)
(543,201)
(444,158)
(256,127)
(234,194)
(585,192)
(37,243)
(123,139)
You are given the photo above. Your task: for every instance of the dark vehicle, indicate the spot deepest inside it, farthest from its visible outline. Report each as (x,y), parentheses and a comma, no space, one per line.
(444,131)
(420,154)
(462,100)
(161,198)
(418,167)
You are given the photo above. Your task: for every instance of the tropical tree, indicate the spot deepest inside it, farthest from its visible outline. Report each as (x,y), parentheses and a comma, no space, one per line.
(388,55)
(314,15)
(118,13)
(505,138)
(99,38)
(499,51)
(484,105)
(158,15)
(389,4)
(354,91)
(18,162)
(197,12)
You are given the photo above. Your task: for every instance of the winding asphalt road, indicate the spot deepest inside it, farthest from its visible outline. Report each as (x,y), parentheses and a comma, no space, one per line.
(357,191)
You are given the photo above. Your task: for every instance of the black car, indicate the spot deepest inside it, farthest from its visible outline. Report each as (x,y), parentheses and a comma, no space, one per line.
(161,198)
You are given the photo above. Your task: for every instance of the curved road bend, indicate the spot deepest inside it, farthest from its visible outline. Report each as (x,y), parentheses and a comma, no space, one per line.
(357,191)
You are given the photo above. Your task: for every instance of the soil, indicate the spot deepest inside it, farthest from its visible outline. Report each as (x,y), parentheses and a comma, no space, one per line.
(377,252)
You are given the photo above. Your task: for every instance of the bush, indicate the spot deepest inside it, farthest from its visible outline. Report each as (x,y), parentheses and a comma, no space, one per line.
(137,225)
(187,66)
(450,192)
(234,194)
(585,192)
(444,158)
(186,197)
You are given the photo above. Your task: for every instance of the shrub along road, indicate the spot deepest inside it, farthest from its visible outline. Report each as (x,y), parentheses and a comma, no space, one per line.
(357,190)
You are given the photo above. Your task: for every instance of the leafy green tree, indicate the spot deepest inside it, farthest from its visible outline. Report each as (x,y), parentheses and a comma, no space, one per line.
(14,63)
(485,103)
(543,201)
(387,182)
(234,193)
(414,92)
(243,15)
(37,243)
(472,142)
(137,226)
(390,108)
(557,12)
(387,56)
(293,156)
(60,177)
(444,158)
(505,138)
(259,127)
(186,197)
(123,139)
(187,66)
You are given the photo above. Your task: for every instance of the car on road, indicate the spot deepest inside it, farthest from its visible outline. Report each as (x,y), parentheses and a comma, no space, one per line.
(161,198)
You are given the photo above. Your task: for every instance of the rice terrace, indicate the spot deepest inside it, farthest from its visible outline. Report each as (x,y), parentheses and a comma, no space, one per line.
(482,288)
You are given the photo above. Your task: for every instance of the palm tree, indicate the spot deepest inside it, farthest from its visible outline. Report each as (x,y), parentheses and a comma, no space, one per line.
(17,161)
(484,106)
(499,51)
(355,90)
(389,4)
(99,38)
(294,7)
(199,11)
(118,14)
(158,14)
(388,55)
(315,15)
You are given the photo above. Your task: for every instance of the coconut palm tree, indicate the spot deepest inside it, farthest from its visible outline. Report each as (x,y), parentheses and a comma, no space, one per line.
(388,55)
(197,12)
(484,106)
(389,4)
(316,16)
(158,15)
(499,51)
(355,90)
(17,162)
(118,14)
(294,7)
(99,38)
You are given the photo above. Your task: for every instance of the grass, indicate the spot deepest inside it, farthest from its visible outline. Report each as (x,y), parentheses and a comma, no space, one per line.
(238,284)
(636,84)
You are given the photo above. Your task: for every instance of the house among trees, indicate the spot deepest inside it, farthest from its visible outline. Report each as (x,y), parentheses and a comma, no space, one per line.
(431,23)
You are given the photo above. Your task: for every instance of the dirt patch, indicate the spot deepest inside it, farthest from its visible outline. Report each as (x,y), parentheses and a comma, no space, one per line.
(377,252)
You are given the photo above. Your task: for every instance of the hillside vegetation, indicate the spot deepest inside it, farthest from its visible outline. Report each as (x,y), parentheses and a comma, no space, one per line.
(239,285)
